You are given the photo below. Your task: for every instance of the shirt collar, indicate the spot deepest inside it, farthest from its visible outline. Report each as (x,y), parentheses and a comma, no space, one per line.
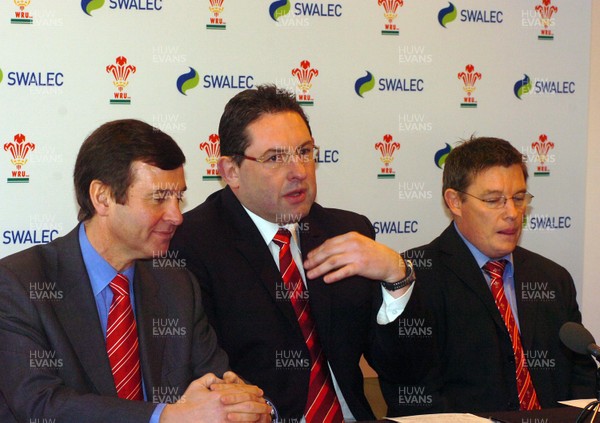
(269,229)
(98,269)
(480,258)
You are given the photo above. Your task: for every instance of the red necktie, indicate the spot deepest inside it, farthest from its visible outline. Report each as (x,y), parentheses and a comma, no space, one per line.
(322,404)
(527,395)
(122,342)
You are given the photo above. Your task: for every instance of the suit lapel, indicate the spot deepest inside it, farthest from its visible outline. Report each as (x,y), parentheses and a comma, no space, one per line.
(319,296)
(78,314)
(250,244)
(461,262)
(149,310)
(527,310)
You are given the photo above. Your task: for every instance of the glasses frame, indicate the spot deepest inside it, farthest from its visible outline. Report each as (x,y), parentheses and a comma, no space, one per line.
(490,202)
(264,160)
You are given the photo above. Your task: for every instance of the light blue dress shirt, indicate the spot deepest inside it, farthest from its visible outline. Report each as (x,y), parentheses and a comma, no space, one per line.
(101,273)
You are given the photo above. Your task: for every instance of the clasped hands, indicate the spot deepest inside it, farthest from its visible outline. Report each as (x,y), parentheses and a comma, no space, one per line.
(211,399)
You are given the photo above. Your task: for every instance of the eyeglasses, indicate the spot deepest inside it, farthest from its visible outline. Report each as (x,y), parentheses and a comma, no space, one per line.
(283,156)
(521,199)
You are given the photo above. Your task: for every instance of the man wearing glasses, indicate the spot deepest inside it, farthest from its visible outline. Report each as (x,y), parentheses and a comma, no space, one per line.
(297,336)
(492,308)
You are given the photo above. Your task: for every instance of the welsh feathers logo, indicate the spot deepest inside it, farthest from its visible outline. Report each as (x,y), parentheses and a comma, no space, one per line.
(212,148)
(19,148)
(21,16)
(390,7)
(187,81)
(542,148)
(546,11)
(469,77)
(447,15)
(522,86)
(88,6)
(387,148)
(364,84)
(121,72)
(441,155)
(216,22)
(279,8)
(304,74)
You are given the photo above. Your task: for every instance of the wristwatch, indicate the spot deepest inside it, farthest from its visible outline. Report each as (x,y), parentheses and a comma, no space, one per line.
(407,280)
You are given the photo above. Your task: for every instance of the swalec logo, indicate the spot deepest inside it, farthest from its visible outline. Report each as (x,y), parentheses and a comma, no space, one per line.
(88,6)
(187,81)
(441,156)
(364,84)
(279,8)
(447,15)
(522,86)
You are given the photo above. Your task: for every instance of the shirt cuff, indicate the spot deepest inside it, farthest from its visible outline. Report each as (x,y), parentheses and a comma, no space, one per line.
(155,418)
(392,307)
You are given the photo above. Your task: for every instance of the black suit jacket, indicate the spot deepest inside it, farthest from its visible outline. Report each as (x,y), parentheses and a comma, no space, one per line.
(255,322)
(53,353)
(472,364)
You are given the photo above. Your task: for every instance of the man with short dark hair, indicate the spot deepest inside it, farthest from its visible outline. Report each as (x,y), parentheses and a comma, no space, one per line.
(297,335)
(492,309)
(92,332)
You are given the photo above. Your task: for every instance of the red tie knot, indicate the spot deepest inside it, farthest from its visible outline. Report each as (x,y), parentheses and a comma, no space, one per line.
(120,285)
(282,237)
(495,267)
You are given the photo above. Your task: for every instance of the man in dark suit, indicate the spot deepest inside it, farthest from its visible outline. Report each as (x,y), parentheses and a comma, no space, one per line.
(91,332)
(231,243)
(473,326)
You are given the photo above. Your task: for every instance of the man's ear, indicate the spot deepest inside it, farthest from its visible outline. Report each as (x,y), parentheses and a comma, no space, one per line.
(453,201)
(229,171)
(101,196)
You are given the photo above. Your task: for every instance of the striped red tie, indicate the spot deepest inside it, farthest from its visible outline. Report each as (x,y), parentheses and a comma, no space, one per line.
(322,404)
(527,396)
(122,342)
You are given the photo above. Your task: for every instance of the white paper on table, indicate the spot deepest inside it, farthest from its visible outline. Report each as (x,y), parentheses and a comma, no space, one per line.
(579,403)
(440,418)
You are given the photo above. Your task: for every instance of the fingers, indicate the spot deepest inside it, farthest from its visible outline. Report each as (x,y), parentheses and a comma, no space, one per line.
(354,254)
(332,246)
(239,397)
(337,258)
(205,381)
(237,387)
(231,377)
(248,411)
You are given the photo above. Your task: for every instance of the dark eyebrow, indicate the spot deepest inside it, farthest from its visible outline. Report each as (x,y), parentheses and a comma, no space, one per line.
(501,194)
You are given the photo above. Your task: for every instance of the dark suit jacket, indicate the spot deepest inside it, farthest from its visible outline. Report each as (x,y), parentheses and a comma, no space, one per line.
(53,353)
(255,322)
(473,367)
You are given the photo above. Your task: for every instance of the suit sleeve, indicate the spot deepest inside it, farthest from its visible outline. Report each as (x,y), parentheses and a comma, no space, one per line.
(32,384)
(407,359)
(207,356)
(583,379)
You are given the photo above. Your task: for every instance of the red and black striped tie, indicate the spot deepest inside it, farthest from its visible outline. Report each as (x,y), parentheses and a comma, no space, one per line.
(322,404)
(527,395)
